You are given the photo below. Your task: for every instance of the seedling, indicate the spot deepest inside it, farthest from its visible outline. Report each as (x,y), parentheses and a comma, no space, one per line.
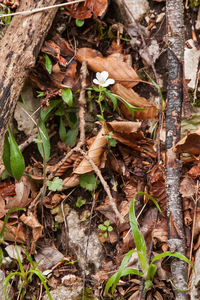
(55,184)
(148,270)
(80,202)
(79,23)
(106,227)
(26,276)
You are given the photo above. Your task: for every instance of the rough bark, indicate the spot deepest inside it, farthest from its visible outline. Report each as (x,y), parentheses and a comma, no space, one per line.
(18,53)
(175,30)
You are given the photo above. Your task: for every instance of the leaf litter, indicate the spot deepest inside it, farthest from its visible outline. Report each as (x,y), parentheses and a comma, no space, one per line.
(128,168)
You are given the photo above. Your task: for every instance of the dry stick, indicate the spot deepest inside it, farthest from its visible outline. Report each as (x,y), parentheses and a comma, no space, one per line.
(156,77)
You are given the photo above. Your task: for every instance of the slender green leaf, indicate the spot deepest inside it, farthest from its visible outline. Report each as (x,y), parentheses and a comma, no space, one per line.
(45,141)
(6,154)
(43,279)
(67,96)
(112,98)
(138,238)
(48,63)
(16,159)
(20,263)
(62,130)
(158,88)
(32,111)
(154,201)
(2,233)
(151,271)
(7,279)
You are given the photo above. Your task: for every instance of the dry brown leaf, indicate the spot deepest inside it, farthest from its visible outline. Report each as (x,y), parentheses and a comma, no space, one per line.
(134,99)
(15,234)
(120,71)
(187,187)
(53,200)
(32,222)
(189,144)
(22,189)
(107,211)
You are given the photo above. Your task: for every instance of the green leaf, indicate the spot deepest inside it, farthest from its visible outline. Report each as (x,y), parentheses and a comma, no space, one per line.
(148,284)
(43,279)
(100,118)
(112,98)
(151,271)
(102,227)
(16,159)
(88,181)
(55,184)
(22,100)
(72,136)
(112,142)
(139,239)
(2,233)
(110,228)
(123,273)
(6,154)
(45,140)
(46,111)
(80,202)
(152,199)
(67,96)
(107,223)
(48,63)
(62,130)
(60,110)
(79,23)
(106,234)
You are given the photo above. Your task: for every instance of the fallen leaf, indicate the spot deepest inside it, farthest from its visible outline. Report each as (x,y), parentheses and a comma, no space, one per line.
(118,70)
(187,187)
(134,99)
(32,222)
(189,144)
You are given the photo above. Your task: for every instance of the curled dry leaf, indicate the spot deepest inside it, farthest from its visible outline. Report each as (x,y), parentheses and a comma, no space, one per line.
(88,9)
(187,187)
(15,234)
(189,144)
(118,70)
(134,99)
(32,222)
(22,189)
(53,200)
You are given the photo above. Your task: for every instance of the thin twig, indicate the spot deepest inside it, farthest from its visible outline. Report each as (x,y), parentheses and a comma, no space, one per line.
(29,12)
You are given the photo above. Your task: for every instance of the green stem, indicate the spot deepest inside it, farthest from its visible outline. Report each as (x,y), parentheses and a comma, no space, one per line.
(101,109)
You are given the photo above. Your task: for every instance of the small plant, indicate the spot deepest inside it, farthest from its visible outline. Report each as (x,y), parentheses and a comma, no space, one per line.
(5,10)
(106,227)
(26,276)
(148,270)
(88,181)
(55,184)
(80,202)
(79,23)
(12,157)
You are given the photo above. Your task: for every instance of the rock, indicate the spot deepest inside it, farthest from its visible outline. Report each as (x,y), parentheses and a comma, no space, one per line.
(65,293)
(9,291)
(138,8)
(23,120)
(78,241)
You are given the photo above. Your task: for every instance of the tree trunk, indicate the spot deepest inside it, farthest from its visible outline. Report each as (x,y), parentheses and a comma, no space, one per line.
(175,29)
(18,53)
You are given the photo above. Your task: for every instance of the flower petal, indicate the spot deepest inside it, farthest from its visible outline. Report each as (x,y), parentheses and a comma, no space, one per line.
(110,81)
(98,76)
(104,76)
(96,81)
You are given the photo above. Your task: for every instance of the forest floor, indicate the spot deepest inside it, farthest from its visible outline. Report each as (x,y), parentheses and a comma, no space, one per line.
(81,232)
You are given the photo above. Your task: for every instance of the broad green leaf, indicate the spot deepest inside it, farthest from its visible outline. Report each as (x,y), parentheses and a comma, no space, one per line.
(46,111)
(80,202)
(55,184)
(62,130)
(102,227)
(6,154)
(72,136)
(60,110)
(16,159)
(138,238)
(148,284)
(100,118)
(48,63)
(88,181)
(110,228)
(107,223)
(151,271)
(45,140)
(79,23)
(67,96)
(112,142)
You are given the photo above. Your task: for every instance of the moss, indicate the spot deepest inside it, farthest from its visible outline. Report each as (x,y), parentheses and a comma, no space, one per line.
(88,295)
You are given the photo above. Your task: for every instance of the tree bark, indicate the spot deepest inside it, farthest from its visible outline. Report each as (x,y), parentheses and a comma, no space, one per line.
(175,30)
(18,53)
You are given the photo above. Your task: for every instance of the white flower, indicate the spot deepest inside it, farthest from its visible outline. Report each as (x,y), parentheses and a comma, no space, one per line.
(102,79)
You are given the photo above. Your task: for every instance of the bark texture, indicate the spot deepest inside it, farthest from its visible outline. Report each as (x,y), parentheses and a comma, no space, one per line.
(18,53)
(175,30)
